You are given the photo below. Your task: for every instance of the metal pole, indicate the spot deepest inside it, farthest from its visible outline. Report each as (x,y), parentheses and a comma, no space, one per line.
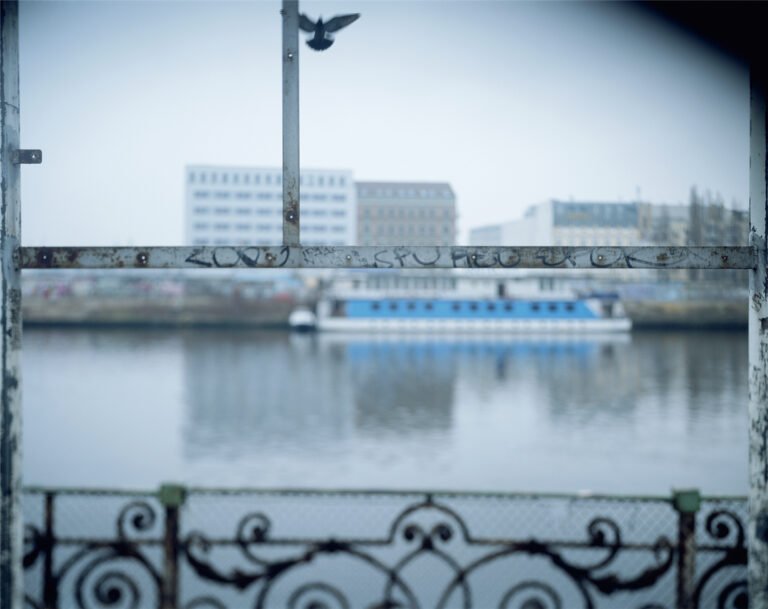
(758,345)
(11,536)
(686,504)
(172,497)
(291,179)
(50,585)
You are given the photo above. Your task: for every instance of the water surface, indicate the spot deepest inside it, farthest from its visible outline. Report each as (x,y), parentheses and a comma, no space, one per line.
(639,413)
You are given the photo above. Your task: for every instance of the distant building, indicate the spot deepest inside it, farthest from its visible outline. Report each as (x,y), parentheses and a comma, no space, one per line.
(575,223)
(406,213)
(569,223)
(243,206)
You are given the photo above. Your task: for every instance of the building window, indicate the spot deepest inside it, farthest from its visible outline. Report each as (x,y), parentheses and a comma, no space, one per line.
(191,177)
(201,194)
(220,194)
(235,178)
(201,226)
(221,226)
(247,178)
(264,196)
(342,181)
(243,211)
(320,181)
(268,178)
(201,210)
(243,226)
(243,195)
(224,178)
(200,242)
(202,178)
(222,211)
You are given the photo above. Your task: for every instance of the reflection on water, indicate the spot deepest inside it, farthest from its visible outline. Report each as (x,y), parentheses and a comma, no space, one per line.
(609,413)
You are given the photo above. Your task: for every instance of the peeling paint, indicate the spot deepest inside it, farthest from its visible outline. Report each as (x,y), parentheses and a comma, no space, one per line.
(376,257)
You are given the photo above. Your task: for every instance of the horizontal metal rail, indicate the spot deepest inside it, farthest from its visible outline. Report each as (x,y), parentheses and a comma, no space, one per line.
(389,257)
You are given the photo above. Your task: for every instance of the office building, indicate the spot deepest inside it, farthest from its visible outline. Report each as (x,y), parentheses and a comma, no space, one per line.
(243,206)
(406,213)
(569,223)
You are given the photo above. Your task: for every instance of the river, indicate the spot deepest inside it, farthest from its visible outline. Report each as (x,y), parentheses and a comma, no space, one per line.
(639,413)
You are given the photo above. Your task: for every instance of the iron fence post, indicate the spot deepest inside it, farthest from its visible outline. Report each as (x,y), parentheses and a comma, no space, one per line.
(291,178)
(757,531)
(686,504)
(11,532)
(50,588)
(172,497)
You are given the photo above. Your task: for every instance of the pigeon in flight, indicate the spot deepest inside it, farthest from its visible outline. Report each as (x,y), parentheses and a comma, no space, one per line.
(322,38)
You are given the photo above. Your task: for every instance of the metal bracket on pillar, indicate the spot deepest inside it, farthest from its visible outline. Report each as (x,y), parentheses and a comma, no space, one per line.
(27,157)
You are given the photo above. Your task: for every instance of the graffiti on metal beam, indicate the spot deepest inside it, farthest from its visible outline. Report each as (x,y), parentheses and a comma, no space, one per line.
(390,257)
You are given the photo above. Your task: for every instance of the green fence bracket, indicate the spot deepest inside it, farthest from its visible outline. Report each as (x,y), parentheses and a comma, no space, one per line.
(172,495)
(687,501)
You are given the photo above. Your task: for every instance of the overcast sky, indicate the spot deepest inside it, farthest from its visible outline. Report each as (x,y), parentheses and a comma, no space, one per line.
(512,103)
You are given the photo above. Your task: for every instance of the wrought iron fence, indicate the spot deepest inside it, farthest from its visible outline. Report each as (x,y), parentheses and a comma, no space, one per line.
(196,548)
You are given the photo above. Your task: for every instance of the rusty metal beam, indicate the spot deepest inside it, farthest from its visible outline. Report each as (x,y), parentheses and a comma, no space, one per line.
(758,343)
(389,257)
(11,541)
(291,178)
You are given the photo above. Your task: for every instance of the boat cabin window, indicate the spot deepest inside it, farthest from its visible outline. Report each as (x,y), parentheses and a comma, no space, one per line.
(393,306)
(535,306)
(491,306)
(375,306)
(508,306)
(455,306)
(339,309)
(428,306)
(569,306)
(552,306)
(411,306)
(608,309)
(473,306)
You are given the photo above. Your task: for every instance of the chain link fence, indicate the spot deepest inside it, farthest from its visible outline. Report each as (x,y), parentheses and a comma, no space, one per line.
(205,548)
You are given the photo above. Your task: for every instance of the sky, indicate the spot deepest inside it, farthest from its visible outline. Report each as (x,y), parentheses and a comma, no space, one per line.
(512,103)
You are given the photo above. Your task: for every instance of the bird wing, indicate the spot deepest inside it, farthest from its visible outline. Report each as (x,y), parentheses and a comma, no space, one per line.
(335,24)
(306,24)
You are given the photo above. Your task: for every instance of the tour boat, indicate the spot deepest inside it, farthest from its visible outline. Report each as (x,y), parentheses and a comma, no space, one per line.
(484,305)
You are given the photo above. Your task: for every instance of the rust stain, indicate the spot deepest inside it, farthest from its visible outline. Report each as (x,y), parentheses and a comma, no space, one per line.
(663,257)
(45,258)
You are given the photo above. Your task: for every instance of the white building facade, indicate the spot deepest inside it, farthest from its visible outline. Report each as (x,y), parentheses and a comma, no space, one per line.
(244,206)
(569,223)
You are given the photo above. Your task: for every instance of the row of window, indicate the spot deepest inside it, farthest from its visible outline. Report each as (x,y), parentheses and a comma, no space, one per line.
(261,241)
(243,226)
(407,230)
(474,306)
(411,193)
(266,211)
(215,177)
(264,196)
(402,213)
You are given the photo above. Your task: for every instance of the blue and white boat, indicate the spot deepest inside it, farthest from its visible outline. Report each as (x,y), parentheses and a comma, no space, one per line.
(458,304)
